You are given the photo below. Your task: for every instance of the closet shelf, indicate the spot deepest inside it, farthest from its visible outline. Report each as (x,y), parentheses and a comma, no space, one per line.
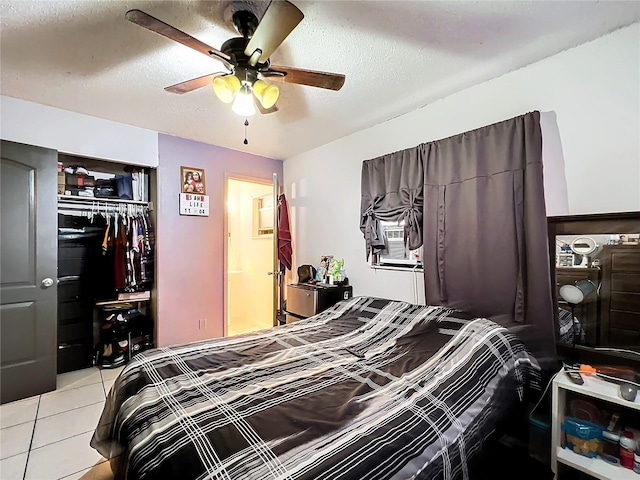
(90,200)
(120,302)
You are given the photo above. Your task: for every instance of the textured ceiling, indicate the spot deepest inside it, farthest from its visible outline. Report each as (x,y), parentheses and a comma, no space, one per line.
(85,57)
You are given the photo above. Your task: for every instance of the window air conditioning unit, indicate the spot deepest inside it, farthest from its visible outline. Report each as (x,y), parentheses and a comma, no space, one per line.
(396,252)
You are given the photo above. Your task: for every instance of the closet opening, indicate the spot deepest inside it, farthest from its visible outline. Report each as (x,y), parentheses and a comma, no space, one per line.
(106,262)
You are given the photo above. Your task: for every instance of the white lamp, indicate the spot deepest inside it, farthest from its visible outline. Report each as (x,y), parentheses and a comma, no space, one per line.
(574,295)
(243,103)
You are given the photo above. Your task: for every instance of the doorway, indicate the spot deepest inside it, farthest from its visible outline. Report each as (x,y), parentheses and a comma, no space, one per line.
(250,299)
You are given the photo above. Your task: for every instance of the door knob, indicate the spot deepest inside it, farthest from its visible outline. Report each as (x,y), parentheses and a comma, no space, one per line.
(47,282)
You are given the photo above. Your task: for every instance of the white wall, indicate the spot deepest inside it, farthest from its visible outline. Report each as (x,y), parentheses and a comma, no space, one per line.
(590,99)
(75,133)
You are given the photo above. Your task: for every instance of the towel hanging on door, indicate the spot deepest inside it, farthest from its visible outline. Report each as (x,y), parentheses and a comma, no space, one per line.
(285,249)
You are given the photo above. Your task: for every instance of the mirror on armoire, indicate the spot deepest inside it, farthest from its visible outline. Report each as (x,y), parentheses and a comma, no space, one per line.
(595,267)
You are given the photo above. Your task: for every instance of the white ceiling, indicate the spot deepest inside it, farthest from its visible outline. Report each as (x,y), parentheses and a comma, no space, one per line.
(85,57)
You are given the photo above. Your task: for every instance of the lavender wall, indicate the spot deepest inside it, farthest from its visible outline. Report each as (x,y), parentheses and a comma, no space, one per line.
(190,250)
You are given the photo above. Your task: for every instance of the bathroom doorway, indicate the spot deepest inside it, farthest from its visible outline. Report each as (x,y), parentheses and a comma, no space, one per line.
(249,255)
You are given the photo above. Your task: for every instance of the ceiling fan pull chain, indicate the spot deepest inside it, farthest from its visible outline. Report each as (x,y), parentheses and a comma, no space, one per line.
(246,124)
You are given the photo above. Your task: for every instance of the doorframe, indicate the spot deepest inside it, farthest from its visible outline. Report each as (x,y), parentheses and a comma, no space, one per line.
(225,244)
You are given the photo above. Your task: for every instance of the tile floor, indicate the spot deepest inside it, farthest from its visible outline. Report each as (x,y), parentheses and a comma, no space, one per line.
(241,325)
(46,437)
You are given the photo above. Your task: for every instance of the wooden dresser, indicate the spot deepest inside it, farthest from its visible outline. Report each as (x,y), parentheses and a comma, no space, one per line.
(620,295)
(617,302)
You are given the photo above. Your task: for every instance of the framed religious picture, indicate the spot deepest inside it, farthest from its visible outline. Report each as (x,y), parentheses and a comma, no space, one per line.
(192,180)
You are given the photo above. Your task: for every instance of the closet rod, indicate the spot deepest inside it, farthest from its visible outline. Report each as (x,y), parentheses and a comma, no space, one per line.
(92,200)
(102,208)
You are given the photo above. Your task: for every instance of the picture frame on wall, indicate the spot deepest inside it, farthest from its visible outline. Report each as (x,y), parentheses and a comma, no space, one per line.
(192,180)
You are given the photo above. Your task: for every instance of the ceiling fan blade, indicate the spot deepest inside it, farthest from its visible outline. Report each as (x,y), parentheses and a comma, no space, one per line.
(263,110)
(330,81)
(277,23)
(158,26)
(194,83)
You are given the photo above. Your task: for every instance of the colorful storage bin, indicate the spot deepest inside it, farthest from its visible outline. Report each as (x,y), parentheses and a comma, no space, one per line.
(584,438)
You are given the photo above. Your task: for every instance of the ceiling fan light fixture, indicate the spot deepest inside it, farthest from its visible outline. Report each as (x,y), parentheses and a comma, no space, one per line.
(243,103)
(226,87)
(266,93)
(246,58)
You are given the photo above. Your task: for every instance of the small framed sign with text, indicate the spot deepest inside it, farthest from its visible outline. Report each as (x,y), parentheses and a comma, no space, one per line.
(194,204)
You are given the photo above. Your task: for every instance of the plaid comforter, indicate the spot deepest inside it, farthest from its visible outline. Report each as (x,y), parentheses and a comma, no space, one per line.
(369,389)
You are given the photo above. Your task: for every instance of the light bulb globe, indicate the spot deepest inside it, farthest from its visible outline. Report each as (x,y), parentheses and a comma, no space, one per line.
(266,93)
(243,103)
(226,87)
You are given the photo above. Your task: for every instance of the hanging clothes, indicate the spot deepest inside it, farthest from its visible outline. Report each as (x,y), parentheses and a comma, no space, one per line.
(147,251)
(129,256)
(285,250)
(122,243)
(103,277)
(105,239)
(120,249)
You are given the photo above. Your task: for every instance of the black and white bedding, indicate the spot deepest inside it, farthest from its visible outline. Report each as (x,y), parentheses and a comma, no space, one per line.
(369,389)
(570,329)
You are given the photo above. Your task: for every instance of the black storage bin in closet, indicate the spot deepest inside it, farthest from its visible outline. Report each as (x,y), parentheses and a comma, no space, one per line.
(70,311)
(70,287)
(74,253)
(75,325)
(78,251)
(74,356)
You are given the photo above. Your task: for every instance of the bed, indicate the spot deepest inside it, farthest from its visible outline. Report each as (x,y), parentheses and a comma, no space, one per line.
(568,329)
(368,389)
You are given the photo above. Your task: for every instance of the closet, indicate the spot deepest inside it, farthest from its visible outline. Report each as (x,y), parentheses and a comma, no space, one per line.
(106,257)
(53,316)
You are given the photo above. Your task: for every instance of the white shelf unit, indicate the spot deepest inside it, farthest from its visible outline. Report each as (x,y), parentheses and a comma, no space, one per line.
(595,467)
(596,388)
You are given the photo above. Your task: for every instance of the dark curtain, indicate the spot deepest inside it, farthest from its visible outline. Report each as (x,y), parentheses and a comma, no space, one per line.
(392,190)
(476,202)
(485,228)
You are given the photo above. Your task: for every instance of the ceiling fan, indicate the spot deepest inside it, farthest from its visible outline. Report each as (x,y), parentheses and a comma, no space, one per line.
(246,58)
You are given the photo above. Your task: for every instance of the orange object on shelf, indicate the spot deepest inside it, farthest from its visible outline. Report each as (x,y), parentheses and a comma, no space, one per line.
(587,369)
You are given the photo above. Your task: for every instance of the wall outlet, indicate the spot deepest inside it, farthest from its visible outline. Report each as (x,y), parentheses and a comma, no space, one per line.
(202,324)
